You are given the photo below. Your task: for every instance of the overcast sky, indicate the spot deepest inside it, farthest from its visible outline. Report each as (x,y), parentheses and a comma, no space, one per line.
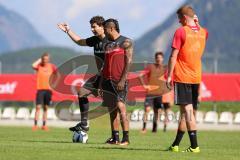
(135,16)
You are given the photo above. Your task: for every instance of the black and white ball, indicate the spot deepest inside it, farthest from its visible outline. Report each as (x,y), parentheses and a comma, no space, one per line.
(80,137)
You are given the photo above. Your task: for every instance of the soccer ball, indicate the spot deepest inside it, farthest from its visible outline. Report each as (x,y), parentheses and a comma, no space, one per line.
(80,137)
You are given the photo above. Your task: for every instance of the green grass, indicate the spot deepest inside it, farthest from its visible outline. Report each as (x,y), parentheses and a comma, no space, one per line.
(233,107)
(20,143)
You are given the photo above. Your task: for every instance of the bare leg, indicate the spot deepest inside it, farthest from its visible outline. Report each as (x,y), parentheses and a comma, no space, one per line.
(114,122)
(146,112)
(36,117)
(181,127)
(45,109)
(191,124)
(182,122)
(37,112)
(189,117)
(124,122)
(195,113)
(123,116)
(166,112)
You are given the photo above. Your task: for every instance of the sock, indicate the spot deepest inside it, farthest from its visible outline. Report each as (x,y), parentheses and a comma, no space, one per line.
(164,128)
(44,123)
(178,138)
(193,139)
(115,135)
(84,107)
(35,122)
(144,125)
(154,129)
(125,136)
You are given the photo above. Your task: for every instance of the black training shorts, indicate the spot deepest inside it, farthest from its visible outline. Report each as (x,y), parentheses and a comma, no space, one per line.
(44,97)
(186,94)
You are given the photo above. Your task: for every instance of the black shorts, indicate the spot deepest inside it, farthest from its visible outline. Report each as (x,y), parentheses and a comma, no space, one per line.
(111,95)
(186,94)
(44,97)
(156,102)
(92,83)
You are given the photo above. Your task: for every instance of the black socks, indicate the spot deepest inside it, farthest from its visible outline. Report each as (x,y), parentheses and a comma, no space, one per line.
(84,107)
(178,138)
(35,122)
(115,135)
(154,129)
(125,136)
(193,139)
(144,125)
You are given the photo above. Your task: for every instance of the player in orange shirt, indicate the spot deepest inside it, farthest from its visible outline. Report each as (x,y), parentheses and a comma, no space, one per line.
(157,93)
(44,69)
(185,67)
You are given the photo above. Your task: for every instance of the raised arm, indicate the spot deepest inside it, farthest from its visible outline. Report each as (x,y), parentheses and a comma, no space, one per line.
(77,39)
(36,63)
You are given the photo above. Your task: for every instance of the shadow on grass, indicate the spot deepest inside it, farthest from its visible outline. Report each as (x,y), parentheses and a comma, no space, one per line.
(101,146)
(63,142)
(125,148)
(40,141)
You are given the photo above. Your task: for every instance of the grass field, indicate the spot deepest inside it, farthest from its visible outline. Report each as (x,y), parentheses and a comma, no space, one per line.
(20,143)
(233,107)
(204,106)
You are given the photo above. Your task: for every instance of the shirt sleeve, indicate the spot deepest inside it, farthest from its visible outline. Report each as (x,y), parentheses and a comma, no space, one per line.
(91,41)
(179,38)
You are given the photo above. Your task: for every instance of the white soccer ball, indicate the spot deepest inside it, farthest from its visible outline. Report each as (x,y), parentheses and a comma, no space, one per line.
(80,137)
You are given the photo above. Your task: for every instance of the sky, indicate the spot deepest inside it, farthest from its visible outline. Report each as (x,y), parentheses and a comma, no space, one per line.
(135,16)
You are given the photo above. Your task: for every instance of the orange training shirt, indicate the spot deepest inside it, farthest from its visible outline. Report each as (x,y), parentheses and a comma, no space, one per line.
(188,68)
(43,75)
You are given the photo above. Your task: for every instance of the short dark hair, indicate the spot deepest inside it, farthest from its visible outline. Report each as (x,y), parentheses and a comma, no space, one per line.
(45,54)
(159,53)
(113,21)
(186,10)
(99,20)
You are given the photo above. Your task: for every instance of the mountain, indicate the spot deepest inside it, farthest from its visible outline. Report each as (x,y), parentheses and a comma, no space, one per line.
(21,61)
(223,45)
(17,33)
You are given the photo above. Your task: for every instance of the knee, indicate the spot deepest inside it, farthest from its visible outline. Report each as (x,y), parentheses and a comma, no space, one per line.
(123,115)
(113,113)
(147,109)
(38,109)
(45,108)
